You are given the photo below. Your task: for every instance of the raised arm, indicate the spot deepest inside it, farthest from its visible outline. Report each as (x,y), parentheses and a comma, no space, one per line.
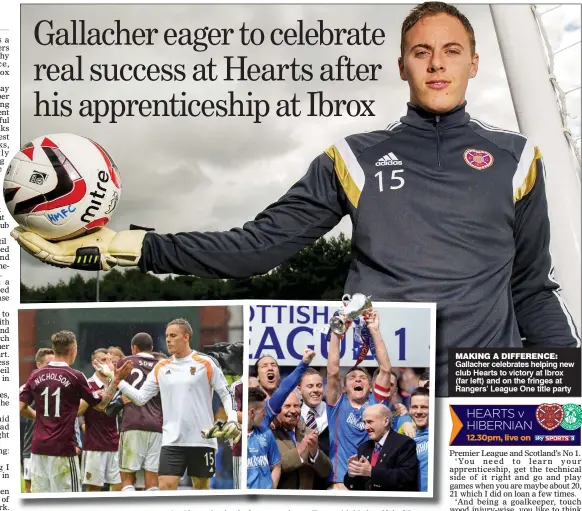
(334,387)
(382,386)
(119,373)
(275,402)
(541,313)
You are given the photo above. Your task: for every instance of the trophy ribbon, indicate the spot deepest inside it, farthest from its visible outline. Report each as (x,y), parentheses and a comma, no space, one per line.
(363,337)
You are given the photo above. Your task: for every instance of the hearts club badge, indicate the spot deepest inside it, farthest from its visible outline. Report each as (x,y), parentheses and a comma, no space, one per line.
(549,416)
(478,160)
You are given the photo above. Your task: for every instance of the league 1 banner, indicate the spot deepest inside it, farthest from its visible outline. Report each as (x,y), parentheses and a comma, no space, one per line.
(542,425)
(283,330)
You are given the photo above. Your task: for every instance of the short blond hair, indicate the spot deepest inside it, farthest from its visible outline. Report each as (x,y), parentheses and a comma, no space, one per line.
(183,324)
(63,342)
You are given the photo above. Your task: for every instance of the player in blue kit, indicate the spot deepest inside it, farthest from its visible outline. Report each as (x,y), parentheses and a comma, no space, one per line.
(400,416)
(344,409)
(261,440)
(263,459)
(419,410)
(280,394)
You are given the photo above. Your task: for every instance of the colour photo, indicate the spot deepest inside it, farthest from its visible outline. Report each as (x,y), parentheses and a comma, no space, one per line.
(130,399)
(339,397)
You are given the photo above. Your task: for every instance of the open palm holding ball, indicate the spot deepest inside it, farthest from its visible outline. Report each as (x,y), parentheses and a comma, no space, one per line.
(62,186)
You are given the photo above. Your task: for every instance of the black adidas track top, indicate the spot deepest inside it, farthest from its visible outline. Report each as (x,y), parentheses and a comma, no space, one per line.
(444,209)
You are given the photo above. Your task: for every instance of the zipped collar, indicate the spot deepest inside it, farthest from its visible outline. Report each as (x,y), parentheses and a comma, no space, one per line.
(420,118)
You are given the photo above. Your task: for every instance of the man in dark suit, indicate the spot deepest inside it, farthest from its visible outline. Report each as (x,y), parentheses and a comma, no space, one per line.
(385,462)
(314,413)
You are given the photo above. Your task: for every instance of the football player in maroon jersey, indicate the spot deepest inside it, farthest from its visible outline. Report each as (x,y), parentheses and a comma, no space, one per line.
(141,426)
(56,391)
(42,358)
(100,454)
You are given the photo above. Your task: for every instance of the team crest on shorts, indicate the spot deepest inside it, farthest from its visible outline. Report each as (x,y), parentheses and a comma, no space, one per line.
(549,416)
(478,160)
(192,370)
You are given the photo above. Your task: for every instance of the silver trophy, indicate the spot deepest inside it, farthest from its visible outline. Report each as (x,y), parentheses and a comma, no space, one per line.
(354,306)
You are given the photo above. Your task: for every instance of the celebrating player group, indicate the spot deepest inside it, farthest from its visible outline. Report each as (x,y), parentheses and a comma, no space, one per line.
(147,420)
(355,435)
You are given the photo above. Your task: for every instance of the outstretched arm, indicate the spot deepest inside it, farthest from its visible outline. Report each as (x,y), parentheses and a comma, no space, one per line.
(116,405)
(119,373)
(275,402)
(334,387)
(311,208)
(107,395)
(382,386)
(149,389)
